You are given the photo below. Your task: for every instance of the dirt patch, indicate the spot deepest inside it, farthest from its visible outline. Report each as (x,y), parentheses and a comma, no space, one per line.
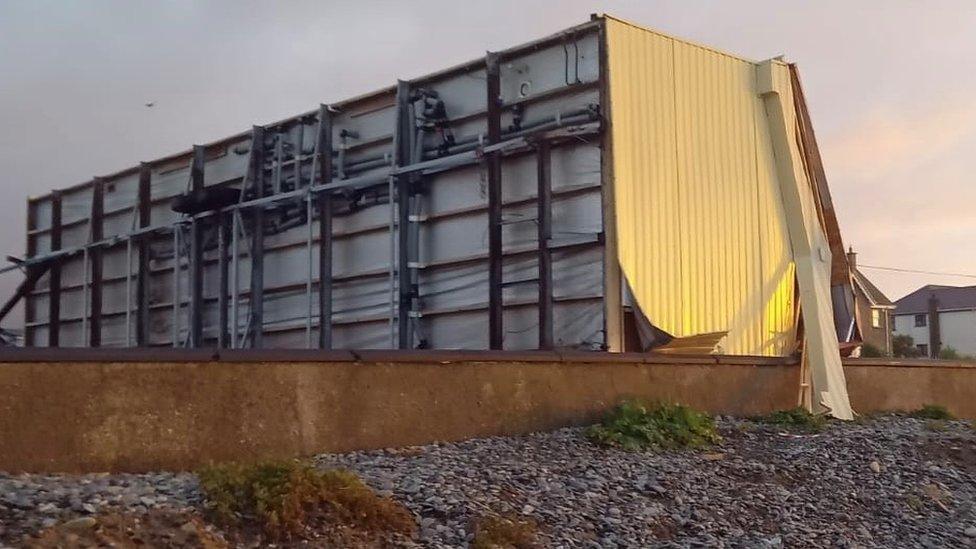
(158,528)
(664,528)
(958,451)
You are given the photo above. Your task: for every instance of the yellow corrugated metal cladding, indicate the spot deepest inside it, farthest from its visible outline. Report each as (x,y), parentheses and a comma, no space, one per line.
(702,236)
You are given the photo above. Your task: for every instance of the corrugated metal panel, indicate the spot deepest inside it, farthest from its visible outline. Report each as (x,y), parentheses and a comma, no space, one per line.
(700,222)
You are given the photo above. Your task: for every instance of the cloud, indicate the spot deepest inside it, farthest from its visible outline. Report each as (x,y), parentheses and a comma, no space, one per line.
(892,138)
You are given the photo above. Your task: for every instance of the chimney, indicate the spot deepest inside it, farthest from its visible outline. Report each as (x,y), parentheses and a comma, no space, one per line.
(852,258)
(935,332)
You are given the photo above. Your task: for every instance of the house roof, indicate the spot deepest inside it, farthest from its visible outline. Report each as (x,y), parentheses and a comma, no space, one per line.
(875,296)
(950,298)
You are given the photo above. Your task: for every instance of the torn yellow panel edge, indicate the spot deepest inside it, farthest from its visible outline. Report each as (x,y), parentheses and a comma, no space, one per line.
(811,252)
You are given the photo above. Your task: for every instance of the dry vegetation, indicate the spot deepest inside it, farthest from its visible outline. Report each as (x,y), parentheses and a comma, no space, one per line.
(505,532)
(290,500)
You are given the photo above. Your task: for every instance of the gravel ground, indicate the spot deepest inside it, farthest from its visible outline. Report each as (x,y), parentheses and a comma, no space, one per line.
(887,482)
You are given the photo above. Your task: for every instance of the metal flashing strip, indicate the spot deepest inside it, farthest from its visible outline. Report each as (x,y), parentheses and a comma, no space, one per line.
(282,356)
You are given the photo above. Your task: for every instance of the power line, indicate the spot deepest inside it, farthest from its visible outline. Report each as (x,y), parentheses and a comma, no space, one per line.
(915,271)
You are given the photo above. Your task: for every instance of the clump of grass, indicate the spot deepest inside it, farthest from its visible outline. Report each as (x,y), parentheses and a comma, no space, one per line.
(932,411)
(284,498)
(798,418)
(635,426)
(498,532)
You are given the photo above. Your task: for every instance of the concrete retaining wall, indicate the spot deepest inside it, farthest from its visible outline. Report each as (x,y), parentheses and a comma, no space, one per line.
(81,412)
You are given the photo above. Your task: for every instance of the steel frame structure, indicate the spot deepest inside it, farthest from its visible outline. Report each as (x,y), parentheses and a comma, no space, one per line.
(285,186)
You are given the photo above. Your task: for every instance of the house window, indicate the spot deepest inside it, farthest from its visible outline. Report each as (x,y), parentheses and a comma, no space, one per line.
(923,348)
(875,318)
(920,321)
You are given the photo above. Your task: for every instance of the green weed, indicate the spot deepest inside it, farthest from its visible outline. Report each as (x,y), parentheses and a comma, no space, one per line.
(635,426)
(795,418)
(932,411)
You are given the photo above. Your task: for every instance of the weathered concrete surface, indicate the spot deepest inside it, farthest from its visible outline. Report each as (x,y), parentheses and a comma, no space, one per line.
(138,416)
(888,385)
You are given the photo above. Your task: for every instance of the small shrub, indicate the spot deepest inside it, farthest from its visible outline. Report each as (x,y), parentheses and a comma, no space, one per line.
(904,346)
(634,426)
(932,411)
(949,353)
(869,350)
(284,498)
(497,532)
(796,418)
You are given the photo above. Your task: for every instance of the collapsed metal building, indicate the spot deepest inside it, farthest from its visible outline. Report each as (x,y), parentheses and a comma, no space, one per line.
(607,188)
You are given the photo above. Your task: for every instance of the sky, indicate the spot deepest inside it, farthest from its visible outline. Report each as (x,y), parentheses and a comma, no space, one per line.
(891,87)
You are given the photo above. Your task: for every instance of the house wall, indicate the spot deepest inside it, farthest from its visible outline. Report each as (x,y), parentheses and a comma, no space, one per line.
(905,325)
(877,337)
(957,329)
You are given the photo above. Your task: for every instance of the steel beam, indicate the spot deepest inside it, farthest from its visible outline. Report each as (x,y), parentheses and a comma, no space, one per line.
(496,334)
(144,207)
(544,221)
(323,156)
(223,238)
(196,251)
(96,231)
(566,130)
(256,303)
(54,278)
(402,152)
(31,253)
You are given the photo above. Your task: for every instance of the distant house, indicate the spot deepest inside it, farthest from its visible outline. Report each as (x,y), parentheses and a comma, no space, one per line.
(874,309)
(938,317)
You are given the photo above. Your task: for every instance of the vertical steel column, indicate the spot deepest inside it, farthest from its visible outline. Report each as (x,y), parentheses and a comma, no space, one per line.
(297,153)
(31,249)
(544,216)
(223,235)
(391,192)
(177,229)
(309,237)
(196,251)
(96,255)
(235,223)
(128,292)
(496,334)
(323,155)
(144,205)
(257,239)
(85,294)
(402,152)
(54,276)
